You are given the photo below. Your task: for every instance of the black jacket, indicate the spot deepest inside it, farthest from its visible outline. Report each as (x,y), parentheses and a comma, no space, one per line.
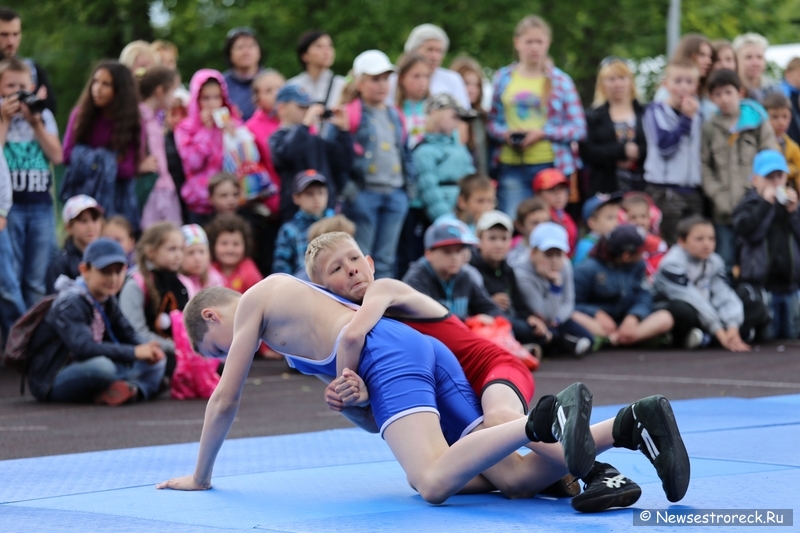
(502,279)
(65,336)
(66,263)
(601,150)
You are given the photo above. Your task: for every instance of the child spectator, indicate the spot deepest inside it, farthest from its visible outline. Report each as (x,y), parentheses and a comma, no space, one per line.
(546,283)
(85,349)
(154,289)
(307,141)
(672,166)
(229,242)
(224,193)
(117,228)
(311,197)
(83,221)
(441,273)
(265,121)
(440,160)
(196,271)
(601,215)
(610,286)
(174,115)
(494,241)
(691,284)
(779,109)
(155,89)
(413,83)
(790,88)
(724,56)
(638,212)
(167,53)
(375,197)
(553,187)
(30,144)
(530,213)
(199,138)
(731,139)
(477,141)
(107,117)
(476,195)
(767,225)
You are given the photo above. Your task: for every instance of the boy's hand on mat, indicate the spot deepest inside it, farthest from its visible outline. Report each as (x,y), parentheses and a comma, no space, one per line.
(183,483)
(606,323)
(351,389)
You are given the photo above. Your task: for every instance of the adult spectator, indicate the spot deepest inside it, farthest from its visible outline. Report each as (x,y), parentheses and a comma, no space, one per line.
(139,56)
(615,147)
(10,39)
(167,52)
(432,43)
(536,115)
(316,53)
(750,49)
(243,54)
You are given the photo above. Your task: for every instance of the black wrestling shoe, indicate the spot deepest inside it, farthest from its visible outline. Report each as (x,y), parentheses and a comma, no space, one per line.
(649,425)
(604,487)
(566,487)
(564,418)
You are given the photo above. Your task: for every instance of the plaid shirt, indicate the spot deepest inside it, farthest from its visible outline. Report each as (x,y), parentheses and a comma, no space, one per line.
(290,247)
(565,119)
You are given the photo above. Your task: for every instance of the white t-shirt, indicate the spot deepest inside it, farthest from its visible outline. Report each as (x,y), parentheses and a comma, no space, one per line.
(443,81)
(317,89)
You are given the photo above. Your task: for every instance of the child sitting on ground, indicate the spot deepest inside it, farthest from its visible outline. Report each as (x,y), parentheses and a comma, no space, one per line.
(196,271)
(83,220)
(154,290)
(310,195)
(441,273)
(692,286)
(85,349)
(779,109)
(229,241)
(117,228)
(767,225)
(610,286)
(476,196)
(553,187)
(601,215)
(545,281)
(530,213)
(638,211)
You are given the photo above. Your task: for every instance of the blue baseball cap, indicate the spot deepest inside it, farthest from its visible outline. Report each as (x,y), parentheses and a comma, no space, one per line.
(549,235)
(625,238)
(768,161)
(293,93)
(597,201)
(448,232)
(104,252)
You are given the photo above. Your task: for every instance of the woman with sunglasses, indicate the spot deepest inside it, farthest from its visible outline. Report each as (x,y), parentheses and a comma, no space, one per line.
(243,54)
(615,146)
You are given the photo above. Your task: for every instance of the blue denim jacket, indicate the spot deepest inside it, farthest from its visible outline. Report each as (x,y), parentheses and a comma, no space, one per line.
(619,291)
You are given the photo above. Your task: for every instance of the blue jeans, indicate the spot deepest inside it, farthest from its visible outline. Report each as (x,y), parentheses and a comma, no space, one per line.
(726,246)
(785,310)
(33,234)
(12,306)
(379,220)
(82,380)
(516,185)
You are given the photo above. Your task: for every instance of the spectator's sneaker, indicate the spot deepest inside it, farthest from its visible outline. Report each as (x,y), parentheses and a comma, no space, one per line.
(694,339)
(577,346)
(566,487)
(604,487)
(749,336)
(649,425)
(118,393)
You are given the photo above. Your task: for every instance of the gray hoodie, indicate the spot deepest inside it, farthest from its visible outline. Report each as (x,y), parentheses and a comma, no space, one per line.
(701,284)
(550,302)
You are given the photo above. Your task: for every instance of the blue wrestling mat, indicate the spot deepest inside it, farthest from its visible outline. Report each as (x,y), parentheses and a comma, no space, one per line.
(744,456)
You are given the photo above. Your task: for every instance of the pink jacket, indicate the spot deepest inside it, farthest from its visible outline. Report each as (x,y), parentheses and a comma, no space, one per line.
(201,148)
(263,125)
(194,285)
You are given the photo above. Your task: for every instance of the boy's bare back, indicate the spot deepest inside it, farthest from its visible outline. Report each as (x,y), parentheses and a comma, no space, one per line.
(296,319)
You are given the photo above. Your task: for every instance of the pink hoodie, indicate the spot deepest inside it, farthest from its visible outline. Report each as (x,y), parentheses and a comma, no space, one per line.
(201,148)
(262,125)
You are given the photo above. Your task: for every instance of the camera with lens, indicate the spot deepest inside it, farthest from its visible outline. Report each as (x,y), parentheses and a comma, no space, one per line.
(517,138)
(326,115)
(34,103)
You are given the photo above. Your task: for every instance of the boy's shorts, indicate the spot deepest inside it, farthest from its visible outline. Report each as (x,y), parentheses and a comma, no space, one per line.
(406,372)
(484,362)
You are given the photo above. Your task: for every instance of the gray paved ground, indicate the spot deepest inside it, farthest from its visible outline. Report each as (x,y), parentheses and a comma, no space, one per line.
(277,402)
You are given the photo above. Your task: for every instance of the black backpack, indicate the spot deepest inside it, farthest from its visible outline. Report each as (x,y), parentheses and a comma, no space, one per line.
(21,334)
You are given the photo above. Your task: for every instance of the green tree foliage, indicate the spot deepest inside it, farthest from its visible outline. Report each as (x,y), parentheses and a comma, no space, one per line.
(68,36)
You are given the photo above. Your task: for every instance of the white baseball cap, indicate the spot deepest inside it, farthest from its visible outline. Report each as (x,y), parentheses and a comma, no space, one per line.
(373,63)
(549,235)
(494,218)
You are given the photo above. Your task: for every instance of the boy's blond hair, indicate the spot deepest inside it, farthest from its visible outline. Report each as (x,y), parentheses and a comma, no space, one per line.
(331,224)
(12,64)
(681,64)
(196,326)
(323,243)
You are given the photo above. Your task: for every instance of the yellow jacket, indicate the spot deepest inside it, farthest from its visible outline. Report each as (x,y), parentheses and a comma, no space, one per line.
(791,151)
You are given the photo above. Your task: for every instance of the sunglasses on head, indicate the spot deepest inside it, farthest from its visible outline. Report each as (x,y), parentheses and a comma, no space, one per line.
(611,59)
(237,32)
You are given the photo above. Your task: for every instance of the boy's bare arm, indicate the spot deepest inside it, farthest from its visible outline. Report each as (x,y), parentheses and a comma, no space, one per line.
(224,402)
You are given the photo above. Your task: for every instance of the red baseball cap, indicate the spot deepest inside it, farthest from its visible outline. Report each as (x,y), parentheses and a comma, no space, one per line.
(549,178)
